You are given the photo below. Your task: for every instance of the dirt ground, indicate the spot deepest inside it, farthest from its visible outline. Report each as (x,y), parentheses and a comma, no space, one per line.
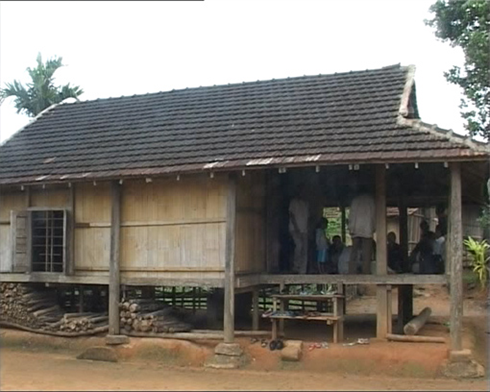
(49,372)
(37,362)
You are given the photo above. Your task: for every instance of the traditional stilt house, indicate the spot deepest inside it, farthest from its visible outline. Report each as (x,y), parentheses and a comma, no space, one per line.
(191,187)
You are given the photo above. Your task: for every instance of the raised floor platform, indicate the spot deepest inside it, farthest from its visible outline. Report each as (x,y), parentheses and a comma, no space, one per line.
(396,279)
(242,281)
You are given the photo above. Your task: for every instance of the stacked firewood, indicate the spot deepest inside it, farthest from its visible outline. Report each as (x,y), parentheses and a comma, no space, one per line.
(23,306)
(79,322)
(146,315)
(20,304)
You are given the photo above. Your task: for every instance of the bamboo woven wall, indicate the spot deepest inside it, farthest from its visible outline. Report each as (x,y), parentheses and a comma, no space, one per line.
(174,229)
(92,228)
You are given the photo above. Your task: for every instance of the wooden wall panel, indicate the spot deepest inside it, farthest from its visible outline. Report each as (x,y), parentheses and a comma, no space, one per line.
(92,242)
(170,225)
(250,231)
(11,201)
(161,248)
(93,203)
(92,249)
(55,198)
(169,200)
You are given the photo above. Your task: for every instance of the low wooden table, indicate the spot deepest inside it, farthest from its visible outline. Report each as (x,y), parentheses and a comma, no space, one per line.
(336,317)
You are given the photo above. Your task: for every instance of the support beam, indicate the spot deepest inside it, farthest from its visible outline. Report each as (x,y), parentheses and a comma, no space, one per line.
(456,255)
(381,251)
(405,306)
(28,196)
(114,267)
(343,229)
(405,292)
(229,297)
(403,230)
(255,309)
(382,291)
(69,266)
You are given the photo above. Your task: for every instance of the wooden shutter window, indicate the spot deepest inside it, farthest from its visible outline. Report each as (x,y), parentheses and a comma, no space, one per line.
(20,237)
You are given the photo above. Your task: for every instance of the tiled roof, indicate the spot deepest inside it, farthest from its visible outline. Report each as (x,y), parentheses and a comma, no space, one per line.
(347,117)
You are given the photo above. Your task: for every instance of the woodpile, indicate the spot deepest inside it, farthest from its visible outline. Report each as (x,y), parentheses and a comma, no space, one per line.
(146,315)
(37,310)
(23,306)
(79,322)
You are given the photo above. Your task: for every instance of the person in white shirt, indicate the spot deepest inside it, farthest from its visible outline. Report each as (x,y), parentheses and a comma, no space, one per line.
(439,250)
(298,228)
(361,227)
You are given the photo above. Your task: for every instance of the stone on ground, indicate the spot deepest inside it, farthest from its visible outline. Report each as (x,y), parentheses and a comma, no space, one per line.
(99,353)
(292,350)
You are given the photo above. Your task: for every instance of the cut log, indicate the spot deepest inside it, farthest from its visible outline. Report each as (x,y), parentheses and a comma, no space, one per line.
(77,315)
(98,319)
(414,325)
(415,339)
(47,310)
(65,334)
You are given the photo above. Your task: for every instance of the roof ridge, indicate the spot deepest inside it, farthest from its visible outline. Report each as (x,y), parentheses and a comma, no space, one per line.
(34,119)
(288,78)
(446,134)
(407,90)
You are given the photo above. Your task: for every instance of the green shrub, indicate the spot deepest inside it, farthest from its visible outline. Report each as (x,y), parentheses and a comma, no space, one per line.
(479,251)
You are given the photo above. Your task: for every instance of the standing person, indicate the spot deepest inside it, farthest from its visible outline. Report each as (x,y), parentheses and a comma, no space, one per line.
(298,228)
(439,250)
(322,245)
(394,252)
(335,250)
(442,219)
(361,228)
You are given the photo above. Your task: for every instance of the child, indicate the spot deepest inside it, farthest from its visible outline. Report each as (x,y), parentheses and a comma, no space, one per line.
(322,245)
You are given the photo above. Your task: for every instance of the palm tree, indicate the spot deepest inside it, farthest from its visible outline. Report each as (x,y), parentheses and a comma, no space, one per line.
(41,93)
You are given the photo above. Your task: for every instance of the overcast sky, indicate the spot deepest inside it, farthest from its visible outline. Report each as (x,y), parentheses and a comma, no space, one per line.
(124,48)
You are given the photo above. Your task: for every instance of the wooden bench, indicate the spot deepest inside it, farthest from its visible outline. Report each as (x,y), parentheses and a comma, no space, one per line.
(336,317)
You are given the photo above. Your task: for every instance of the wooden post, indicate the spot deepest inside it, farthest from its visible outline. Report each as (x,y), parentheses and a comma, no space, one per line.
(381,251)
(282,308)
(405,292)
(229,305)
(343,229)
(28,196)
(114,271)
(383,306)
(389,313)
(80,299)
(456,255)
(339,311)
(69,266)
(255,309)
(403,230)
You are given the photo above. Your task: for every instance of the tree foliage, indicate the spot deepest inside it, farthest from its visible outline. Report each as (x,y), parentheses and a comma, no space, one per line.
(466,24)
(41,92)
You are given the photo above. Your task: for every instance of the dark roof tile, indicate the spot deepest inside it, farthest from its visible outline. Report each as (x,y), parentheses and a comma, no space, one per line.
(340,117)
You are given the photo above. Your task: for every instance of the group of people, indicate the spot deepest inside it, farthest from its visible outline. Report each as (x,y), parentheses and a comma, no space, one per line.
(332,256)
(428,256)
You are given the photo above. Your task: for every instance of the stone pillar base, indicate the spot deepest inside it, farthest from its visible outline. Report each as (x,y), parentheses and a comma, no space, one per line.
(461,365)
(226,356)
